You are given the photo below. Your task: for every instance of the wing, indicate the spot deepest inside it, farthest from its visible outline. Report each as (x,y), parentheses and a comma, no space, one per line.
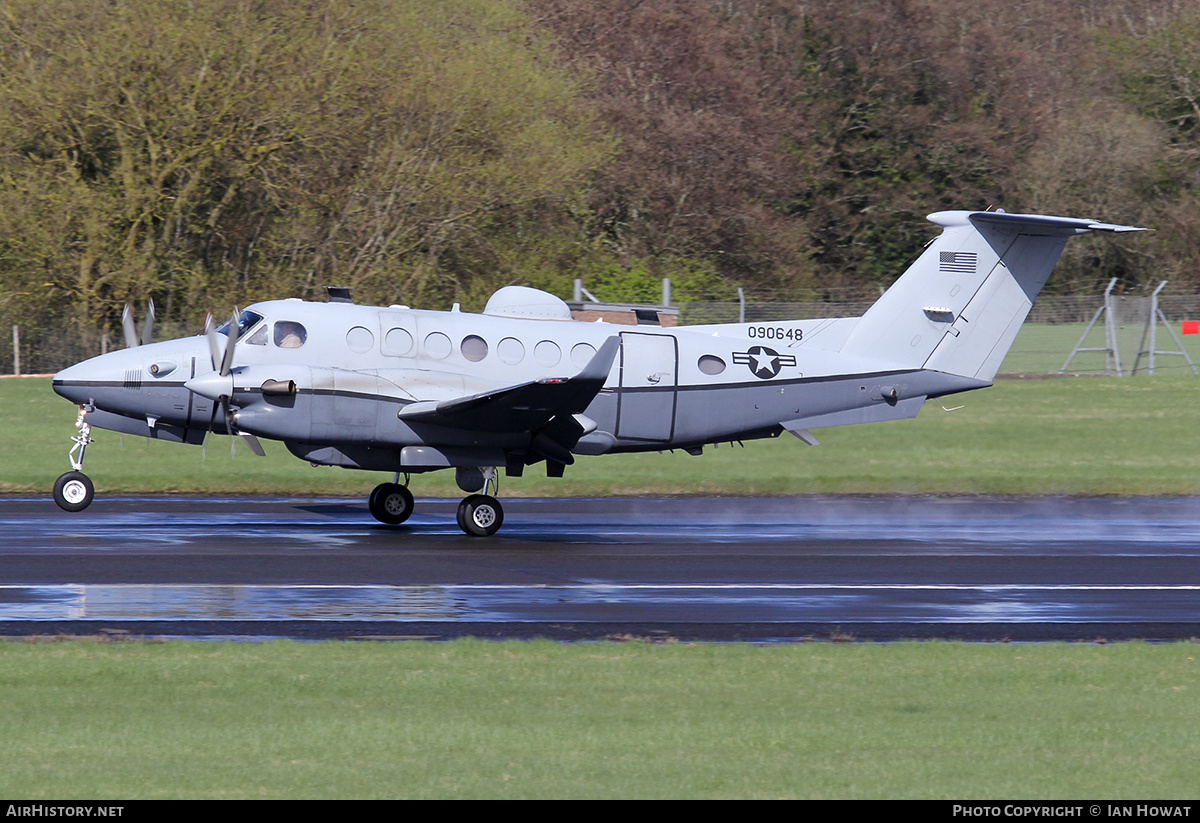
(549,409)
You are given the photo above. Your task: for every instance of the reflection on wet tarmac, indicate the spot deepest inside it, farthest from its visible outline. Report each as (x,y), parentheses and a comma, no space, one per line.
(769,603)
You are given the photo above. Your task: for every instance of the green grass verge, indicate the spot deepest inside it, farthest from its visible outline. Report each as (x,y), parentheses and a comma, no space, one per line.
(1043,348)
(1094,436)
(472,719)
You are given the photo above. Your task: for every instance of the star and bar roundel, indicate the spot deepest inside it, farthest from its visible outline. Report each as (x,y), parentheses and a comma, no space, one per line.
(764,362)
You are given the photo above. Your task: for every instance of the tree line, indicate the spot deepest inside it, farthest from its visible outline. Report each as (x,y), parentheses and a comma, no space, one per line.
(212,154)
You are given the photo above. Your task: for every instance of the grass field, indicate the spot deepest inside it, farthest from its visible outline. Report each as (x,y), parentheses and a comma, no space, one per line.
(1043,348)
(1096,436)
(474,719)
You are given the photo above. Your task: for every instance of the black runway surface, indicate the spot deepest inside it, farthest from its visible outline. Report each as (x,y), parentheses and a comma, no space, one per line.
(762,569)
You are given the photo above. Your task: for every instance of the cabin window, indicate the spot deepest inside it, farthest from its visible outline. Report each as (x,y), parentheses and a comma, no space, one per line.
(289,334)
(581,354)
(398,342)
(510,350)
(438,346)
(474,348)
(710,364)
(360,340)
(547,353)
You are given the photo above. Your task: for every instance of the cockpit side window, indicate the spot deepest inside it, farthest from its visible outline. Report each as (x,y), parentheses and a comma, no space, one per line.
(246,321)
(289,334)
(259,338)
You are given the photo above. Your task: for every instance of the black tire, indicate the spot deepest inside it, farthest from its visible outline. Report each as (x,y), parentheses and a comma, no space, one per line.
(391,503)
(73,492)
(480,515)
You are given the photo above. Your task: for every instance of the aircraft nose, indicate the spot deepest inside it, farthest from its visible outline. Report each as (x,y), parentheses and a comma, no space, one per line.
(74,382)
(102,379)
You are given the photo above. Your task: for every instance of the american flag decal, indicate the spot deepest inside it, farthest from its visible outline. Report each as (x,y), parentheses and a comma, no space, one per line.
(962,262)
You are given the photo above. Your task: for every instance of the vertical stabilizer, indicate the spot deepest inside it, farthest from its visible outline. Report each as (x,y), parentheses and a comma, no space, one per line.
(959,307)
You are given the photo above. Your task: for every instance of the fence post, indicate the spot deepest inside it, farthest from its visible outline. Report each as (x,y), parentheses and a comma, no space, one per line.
(16,349)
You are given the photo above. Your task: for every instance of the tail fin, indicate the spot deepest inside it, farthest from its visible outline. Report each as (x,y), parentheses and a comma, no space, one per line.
(959,307)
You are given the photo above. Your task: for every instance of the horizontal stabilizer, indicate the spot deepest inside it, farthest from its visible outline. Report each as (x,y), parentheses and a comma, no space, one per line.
(1033,224)
(525,407)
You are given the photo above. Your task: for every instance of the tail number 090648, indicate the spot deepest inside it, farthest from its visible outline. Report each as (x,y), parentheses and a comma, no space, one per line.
(776,333)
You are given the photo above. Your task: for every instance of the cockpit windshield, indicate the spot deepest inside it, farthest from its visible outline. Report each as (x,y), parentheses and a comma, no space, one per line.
(246,320)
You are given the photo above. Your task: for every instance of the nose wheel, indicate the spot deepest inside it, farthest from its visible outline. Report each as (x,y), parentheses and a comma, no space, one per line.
(73,492)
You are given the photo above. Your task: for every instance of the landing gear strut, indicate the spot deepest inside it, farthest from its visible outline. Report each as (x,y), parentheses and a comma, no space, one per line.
(73,491)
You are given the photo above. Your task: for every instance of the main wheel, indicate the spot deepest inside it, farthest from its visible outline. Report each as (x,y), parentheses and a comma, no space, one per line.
(73,492)
(390,503)
(480,515)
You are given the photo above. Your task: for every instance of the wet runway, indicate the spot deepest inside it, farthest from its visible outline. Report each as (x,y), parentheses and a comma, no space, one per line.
(765,569)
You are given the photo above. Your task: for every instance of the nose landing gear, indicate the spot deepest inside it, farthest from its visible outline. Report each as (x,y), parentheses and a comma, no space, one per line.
(73,491)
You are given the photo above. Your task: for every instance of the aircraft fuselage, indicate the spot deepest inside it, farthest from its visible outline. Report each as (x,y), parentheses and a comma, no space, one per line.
(358,366)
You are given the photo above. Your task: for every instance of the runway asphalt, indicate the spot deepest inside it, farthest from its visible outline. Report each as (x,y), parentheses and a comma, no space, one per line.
(760,569)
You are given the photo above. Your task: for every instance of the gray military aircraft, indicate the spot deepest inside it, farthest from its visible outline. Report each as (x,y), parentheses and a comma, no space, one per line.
(405,391)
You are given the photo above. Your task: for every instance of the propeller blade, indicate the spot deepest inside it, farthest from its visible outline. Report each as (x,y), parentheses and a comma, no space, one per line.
(148,328)
(247,438)
(212,418)
(131,338)
(227,360)
(252,441)
(210,332)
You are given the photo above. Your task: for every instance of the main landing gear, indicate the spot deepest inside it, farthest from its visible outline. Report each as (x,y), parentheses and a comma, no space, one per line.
(479,515)
(73,491)
(390,503)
